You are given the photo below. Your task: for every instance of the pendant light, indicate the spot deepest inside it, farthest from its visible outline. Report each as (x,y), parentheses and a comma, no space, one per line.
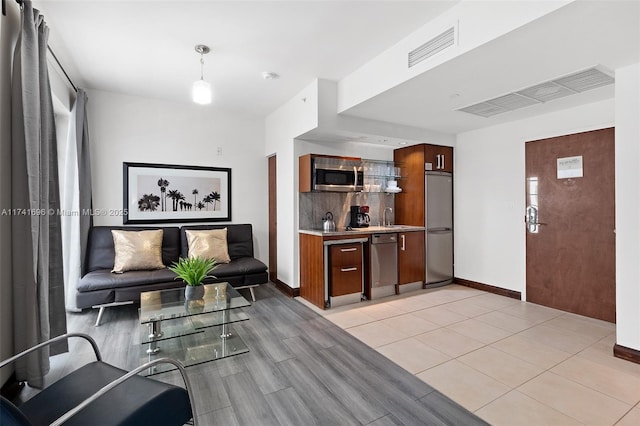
(201,90)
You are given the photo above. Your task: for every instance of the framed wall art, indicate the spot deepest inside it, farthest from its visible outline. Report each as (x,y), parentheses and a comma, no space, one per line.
(165,193)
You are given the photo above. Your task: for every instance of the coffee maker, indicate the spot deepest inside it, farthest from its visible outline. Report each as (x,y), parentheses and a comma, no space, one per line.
(359,216)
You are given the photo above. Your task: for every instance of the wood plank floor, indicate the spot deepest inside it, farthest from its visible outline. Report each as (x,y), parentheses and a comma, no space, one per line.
(301,370)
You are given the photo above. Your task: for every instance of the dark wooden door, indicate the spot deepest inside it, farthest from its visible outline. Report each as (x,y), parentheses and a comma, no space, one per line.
(570,223)
(273,224)
(411,257)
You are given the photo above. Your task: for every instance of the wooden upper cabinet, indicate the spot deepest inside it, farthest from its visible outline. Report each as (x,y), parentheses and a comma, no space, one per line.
(409,204)
(304,173)
(440,157)
(411,162)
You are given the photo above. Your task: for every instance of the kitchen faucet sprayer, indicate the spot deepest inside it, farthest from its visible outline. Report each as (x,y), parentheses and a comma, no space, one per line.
(384,216)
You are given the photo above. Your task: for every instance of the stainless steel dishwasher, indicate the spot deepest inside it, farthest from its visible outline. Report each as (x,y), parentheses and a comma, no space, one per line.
(384,264)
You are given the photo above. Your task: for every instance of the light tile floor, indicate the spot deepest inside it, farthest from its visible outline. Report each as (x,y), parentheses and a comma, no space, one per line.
(510,362)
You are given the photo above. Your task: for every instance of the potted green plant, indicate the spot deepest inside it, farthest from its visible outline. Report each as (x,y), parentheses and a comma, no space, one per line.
(193,271)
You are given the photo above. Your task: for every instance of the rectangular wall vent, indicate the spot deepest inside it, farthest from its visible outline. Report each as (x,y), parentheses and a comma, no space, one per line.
(542,92)
(433,46)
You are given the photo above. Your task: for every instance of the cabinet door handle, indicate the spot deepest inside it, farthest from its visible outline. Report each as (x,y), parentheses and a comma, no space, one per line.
(348,269)
(402,247)
(437,161)
(443,166)
(349,249)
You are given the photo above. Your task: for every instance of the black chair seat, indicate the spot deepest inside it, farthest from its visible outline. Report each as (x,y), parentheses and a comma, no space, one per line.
(137,401)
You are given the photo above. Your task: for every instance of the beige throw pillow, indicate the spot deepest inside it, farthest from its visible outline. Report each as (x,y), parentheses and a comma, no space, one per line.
(137,250)
(209,244)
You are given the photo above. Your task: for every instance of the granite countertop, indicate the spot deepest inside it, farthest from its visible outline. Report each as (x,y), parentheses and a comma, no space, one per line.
(363,231)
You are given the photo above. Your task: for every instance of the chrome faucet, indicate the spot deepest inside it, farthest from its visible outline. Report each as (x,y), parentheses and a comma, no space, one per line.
(384,216)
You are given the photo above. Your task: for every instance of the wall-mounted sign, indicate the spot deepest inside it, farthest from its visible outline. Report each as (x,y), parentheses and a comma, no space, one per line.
(570,167)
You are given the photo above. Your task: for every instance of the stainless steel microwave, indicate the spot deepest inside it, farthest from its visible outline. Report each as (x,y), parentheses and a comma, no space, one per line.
(335,174)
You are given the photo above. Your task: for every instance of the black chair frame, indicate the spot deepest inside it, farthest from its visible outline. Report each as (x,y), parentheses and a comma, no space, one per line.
(112,384)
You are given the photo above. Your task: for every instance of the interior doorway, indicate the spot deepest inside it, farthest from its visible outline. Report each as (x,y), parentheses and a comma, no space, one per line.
(570,223)
(273,222)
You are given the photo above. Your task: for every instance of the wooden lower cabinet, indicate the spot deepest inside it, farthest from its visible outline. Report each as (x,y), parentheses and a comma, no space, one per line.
(345,261)
(411,257)
(312,269)
(345,268)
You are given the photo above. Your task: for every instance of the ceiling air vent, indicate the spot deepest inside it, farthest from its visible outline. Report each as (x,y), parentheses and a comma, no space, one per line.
(546,92)
(433,46)
(543,92)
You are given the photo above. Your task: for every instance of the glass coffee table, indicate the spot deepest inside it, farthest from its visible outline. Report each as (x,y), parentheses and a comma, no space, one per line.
(190,331)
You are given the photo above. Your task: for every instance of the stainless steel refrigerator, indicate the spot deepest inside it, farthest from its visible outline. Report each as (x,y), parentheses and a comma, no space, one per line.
(439,227)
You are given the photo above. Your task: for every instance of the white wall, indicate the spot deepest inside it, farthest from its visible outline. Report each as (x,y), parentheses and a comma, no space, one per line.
(489,193)
(628,206)
(297,116)
(133,129)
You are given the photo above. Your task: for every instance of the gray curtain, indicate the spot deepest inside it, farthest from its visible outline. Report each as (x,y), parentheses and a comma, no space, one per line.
(84,171)
(76,197)
(38,285)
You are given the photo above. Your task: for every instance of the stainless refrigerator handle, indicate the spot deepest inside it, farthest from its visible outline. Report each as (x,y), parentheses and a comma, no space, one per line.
(402,238)
(439,231)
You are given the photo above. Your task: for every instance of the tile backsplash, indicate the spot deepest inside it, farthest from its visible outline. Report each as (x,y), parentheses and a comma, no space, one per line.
(312,207)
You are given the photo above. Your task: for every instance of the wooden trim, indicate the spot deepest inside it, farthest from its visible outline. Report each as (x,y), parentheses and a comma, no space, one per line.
(489,288)
(289,291)
(628,354)
(273,218)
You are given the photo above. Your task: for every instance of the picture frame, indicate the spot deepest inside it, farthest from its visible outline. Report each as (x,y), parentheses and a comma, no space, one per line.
(169,193)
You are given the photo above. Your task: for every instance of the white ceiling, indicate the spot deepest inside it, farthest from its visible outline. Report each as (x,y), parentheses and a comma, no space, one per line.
(145,48)
(576,37)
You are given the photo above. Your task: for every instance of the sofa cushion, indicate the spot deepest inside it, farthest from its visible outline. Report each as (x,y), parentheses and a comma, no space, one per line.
(208,244)
(242,266)
(137,250)
(101,252)
(103,279)
(239,239)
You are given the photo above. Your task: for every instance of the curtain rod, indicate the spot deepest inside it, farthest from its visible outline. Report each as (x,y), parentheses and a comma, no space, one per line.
(4,13)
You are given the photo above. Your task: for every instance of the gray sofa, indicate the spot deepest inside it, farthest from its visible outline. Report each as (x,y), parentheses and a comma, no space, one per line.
(100,288)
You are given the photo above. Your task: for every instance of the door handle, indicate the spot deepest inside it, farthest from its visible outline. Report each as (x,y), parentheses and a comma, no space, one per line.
(349,249)
(443,159)
(402,247)
(531,219)
(348,269)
